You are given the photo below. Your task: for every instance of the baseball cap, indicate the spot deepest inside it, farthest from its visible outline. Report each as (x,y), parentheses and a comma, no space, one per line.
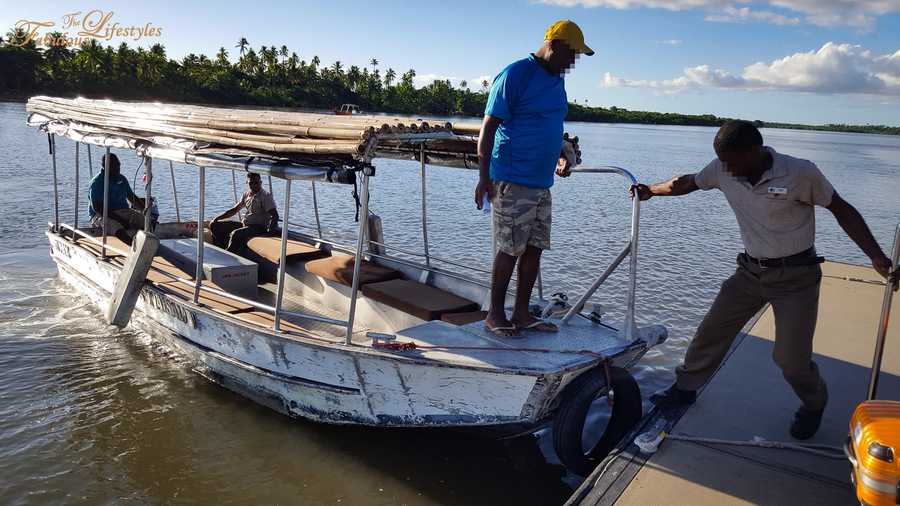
(568,32)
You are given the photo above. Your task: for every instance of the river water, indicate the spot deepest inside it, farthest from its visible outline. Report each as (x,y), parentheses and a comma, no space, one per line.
(91,414)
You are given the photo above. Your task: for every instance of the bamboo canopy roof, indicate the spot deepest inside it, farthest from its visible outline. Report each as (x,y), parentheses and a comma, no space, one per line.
(307,139)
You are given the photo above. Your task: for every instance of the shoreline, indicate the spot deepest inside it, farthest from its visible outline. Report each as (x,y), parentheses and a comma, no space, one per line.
(849,129)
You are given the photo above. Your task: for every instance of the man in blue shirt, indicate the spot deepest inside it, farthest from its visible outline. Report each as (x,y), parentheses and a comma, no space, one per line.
(518,150)
(121,218)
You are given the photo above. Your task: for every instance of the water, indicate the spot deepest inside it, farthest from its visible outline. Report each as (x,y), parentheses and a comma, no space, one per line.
(90,414)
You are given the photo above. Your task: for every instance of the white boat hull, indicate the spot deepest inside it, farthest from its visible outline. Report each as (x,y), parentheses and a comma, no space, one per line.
(324,382)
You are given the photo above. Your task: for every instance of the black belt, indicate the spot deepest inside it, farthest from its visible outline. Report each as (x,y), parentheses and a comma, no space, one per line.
(807,257)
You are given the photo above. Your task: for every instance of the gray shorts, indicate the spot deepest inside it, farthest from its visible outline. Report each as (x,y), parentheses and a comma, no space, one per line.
(133,218)
(521,217)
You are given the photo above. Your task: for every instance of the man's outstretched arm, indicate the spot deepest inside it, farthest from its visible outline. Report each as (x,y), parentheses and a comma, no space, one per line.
(678,185)
(856,228)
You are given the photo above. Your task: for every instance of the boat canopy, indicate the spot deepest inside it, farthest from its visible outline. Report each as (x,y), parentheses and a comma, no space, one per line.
(288,145)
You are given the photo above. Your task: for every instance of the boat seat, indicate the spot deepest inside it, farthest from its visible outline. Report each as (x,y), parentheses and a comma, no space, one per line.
(269,248)
(339,268)
(422,301)
(460,319)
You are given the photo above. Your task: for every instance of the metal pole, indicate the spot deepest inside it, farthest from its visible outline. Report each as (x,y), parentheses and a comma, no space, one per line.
(199,272)
(282,261)
(270,186)
(77,181)
(234,191)
(424,205)
(52,139)
(90,162)
(632,269)
(174,192)
(576,308)
(316,209)
(148,198)
(360,240)
(883,321)
(105,202)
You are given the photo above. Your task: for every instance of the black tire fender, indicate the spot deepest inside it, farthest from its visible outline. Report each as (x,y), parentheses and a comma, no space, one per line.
(576,400)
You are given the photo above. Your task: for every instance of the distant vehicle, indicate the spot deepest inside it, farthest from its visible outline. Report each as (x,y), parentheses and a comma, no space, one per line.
(347,110)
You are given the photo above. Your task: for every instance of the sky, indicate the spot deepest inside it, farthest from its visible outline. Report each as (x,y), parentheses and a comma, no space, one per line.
(804,61)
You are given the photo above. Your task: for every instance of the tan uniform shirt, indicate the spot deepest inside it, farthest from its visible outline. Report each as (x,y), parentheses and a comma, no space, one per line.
(776,216)
(256,207)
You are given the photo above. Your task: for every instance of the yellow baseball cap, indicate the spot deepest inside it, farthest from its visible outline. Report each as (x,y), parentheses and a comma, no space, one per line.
(568,32)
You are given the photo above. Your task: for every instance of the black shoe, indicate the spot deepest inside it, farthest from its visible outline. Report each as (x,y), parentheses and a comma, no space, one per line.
(806,423)
(673,397)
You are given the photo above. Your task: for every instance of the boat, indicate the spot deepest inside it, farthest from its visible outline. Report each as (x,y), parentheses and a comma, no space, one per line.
(347,110)
(361,333)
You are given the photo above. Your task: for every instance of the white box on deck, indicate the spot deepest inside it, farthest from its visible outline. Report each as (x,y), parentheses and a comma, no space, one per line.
(231,272)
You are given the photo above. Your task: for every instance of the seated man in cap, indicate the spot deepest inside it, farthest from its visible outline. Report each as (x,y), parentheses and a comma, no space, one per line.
(122,220)
(518,151)
(260,218)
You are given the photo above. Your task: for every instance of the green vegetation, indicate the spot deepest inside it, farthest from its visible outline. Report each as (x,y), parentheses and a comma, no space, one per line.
(272,77)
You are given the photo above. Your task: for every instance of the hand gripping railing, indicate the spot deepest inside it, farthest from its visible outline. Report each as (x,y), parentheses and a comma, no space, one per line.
(630,248)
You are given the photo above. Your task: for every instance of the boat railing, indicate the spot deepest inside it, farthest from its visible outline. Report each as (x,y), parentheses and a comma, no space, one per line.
(207,288)
(630,248)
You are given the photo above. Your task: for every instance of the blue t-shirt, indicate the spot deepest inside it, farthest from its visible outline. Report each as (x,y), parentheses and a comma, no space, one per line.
(119,189)
(532,104)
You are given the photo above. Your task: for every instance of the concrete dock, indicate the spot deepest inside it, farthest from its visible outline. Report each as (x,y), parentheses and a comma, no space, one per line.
(748,398)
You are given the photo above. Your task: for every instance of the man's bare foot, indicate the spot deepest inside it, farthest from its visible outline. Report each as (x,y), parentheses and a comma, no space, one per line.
(500,326)
(530,322)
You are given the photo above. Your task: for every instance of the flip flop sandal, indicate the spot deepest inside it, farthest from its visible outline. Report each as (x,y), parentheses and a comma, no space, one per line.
(549,327)
(493,330)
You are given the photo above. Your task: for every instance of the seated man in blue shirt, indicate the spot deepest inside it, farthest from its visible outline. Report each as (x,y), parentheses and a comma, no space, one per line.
(518,152)
(121,218)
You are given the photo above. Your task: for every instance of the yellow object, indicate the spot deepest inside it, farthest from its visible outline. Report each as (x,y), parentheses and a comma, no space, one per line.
(568,32)
(872,447)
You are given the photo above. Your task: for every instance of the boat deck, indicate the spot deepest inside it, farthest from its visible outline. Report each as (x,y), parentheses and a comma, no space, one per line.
(748,398)
(578,342)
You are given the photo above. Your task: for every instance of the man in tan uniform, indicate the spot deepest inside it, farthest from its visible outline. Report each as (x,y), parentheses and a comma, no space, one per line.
(773,197)
(260,218)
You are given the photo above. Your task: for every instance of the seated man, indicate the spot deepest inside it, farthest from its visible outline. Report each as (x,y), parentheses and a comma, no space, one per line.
(122,220)
(260,218)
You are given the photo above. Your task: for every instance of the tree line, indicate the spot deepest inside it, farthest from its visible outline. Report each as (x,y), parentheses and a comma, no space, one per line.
(273,77)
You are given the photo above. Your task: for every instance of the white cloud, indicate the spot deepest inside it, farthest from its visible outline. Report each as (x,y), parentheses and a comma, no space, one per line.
(834,68)
(732,14)
(856,13)
(671,42)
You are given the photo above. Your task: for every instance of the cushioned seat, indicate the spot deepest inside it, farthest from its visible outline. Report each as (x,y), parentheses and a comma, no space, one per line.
(423,301)
(339,268)
(460,319)
(270,249)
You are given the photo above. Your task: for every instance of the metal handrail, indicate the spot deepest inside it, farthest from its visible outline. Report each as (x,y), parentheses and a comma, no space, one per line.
(883,321)
(631,248)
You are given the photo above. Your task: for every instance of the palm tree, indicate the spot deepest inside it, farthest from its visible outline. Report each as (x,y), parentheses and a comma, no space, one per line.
(485,85)
(284,54)
(315,62)
(222,57)
(242,44)
(389,77)
(374,64)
